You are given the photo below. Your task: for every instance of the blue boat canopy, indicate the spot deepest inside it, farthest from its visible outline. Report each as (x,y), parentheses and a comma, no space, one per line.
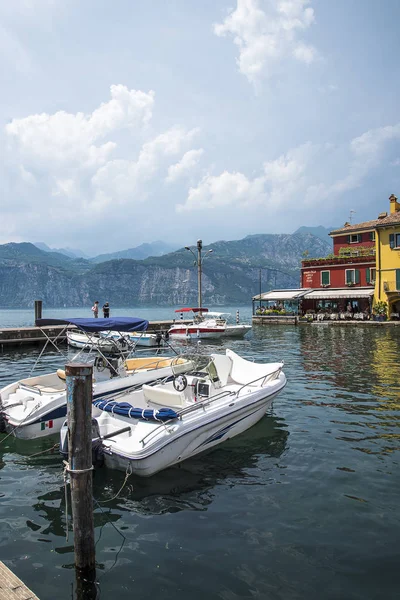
(93,325)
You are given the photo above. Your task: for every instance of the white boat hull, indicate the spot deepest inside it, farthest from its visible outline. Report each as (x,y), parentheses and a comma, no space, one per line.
(160,425)
(33,412)
(191,443)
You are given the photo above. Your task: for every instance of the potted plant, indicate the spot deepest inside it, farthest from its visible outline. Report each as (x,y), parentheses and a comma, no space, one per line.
(380,310)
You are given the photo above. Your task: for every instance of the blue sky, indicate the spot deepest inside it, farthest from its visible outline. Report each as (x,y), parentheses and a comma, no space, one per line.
(130,121)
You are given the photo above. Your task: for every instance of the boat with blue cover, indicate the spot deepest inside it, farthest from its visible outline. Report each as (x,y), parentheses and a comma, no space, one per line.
(35,406)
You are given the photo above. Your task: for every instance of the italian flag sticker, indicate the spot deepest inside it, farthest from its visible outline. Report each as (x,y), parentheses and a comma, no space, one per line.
(46,425)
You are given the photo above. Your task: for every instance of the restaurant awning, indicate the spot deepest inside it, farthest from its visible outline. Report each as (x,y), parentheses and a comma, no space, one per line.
(337,294)
(282,295)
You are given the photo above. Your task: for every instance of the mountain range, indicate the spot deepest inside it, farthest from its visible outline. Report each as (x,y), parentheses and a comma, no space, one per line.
(231,273)
(138,253)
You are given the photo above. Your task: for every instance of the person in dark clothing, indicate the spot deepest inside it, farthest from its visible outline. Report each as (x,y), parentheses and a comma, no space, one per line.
(106,310)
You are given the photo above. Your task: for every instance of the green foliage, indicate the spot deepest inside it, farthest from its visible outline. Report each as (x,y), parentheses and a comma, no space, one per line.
(380,308)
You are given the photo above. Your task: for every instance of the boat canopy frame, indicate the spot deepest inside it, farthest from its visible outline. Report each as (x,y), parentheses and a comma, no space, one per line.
(90,327)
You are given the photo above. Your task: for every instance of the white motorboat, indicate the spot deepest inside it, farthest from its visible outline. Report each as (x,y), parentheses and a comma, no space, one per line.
(231,330)
(144,338)
(203,326)
(36,406)
(83,341)
(160,425)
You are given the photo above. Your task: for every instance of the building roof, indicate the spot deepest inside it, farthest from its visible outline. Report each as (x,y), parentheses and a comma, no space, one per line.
(390,219)
(350,227)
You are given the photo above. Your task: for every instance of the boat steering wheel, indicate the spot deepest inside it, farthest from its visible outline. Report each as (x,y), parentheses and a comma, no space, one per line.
(180,383)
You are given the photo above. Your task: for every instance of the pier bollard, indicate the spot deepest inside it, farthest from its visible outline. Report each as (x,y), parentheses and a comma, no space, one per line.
(79,413)
(38,309)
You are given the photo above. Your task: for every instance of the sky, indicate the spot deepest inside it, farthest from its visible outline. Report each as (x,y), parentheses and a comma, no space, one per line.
(131,121)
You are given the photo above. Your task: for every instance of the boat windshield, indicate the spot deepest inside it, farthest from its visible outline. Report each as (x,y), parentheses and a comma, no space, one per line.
(199,363)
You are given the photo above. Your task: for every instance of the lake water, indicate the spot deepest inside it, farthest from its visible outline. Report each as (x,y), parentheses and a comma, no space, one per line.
(305,505)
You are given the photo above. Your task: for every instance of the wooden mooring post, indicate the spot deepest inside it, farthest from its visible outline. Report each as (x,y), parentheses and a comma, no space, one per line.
(79,415)
(38,309)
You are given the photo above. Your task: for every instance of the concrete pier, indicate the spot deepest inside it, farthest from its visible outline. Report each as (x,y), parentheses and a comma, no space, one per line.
(24,336)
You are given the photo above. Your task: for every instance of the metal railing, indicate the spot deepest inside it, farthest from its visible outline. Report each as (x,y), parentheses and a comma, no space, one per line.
(208,400)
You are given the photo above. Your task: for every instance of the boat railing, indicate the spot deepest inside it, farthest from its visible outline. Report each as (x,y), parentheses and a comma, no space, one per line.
(188,409)
(209,400)
(270,377)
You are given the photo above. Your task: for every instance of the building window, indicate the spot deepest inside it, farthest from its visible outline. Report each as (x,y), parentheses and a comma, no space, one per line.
(325,277)
(394,240)
(397,279)
(352,276)
(370,275)
(372,236)
(354,239)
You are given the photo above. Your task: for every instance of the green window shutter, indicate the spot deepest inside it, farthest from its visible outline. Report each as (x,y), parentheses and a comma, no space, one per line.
(357,276)
(368,275)
(325,277)
(391,240)
(397,279)
(348,239)
(371,236)
(348,277)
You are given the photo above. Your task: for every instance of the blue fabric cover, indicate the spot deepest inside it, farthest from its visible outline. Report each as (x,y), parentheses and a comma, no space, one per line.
(126,409)
(111,324)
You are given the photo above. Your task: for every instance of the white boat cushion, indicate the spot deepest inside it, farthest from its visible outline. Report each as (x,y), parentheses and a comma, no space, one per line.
(223,364)
(244,371)
(163,396)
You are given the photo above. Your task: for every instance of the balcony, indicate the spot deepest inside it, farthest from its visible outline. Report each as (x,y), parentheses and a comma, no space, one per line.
(346,256)
(338,260)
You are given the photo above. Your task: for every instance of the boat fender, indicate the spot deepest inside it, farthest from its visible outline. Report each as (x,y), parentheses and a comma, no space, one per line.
(61,374)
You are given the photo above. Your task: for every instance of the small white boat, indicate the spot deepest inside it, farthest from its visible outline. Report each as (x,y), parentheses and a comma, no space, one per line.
(205,327)
(36,406)
(146,339)
(160,425)
(231,330)
(83,341)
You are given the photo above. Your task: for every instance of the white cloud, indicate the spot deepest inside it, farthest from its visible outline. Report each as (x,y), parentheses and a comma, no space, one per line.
(107,157)
(120,180)
(266,31)
(227,189)
(187,163)
(70,139)
(297,180)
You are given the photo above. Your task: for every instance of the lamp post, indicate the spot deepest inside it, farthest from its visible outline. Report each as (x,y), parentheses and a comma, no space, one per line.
(199,262)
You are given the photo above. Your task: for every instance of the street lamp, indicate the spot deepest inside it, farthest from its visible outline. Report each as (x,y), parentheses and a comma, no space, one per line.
(199,262)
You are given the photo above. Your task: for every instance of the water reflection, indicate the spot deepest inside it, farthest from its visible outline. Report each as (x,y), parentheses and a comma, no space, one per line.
(189,486)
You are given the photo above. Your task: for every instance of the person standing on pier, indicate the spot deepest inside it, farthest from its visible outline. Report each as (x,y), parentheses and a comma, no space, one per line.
(95,309)
(106,310)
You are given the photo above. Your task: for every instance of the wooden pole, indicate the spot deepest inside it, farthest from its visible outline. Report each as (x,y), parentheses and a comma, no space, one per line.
(79,413)
(38,309)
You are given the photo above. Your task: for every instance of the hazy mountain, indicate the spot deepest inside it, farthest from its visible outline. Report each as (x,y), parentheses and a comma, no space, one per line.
(231,274)
(321,232)
(70,252)
(138,253)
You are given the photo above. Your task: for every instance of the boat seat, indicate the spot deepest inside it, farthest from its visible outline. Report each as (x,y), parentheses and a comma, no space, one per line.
(164,396)
(245,373)
(48,390)
(223,365)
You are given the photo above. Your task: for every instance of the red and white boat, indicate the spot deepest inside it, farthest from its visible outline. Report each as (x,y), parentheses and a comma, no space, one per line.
(204,327)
